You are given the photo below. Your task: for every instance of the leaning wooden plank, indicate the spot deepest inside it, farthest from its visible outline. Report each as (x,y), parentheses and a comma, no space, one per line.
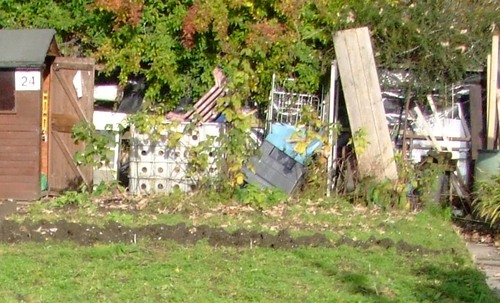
(492,102)
(203,108)
(438,120)
(332,118)
(494,79)
(476,121)
(427,128)
(364,103)
(202,100)
(207,113)
(368,98)
(488,70)
(456,179)
(376,105)
(363,86)
(201,104)
(206,103)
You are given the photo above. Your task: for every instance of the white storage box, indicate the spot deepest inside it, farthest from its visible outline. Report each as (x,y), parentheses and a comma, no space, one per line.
(101,120)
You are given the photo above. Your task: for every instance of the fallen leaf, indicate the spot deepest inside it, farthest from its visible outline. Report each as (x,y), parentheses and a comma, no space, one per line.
(142,204)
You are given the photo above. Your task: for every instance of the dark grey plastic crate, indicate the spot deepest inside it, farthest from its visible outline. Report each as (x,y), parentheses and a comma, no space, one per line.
(275,168)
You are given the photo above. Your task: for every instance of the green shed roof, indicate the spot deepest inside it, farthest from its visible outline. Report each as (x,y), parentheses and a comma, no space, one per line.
(25,47)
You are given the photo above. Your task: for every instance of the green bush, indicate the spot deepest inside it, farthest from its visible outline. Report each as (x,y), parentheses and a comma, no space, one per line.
(258,197)
(381,193)
(71,198)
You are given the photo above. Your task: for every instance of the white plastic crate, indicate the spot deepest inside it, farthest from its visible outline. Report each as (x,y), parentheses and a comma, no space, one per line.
(141,169)
(155,153)
(200,133)
(159,170)
(146,149)
(177,171)
(156,168)
(144,186)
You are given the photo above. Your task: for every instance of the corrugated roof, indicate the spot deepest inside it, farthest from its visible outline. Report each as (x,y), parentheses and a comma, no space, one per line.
(24,47)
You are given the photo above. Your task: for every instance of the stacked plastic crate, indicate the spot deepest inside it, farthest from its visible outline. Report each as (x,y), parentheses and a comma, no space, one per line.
(157,167)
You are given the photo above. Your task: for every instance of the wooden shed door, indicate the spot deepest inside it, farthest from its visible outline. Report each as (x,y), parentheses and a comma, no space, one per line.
(71,102)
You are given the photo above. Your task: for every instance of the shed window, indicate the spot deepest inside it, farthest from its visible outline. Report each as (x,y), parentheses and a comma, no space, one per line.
(7,90)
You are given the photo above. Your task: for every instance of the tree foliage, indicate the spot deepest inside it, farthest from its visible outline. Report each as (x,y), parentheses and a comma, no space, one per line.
(176,44)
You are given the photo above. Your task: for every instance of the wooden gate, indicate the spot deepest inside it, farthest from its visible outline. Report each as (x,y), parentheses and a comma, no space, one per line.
(71,102)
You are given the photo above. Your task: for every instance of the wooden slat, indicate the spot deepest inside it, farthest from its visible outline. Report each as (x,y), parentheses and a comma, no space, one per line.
(18,142)
(17,150)
(488,76)
(18,135)
(32,156)
(69,158)
(17,127)
(64,123)
(348,83)
(202,100)
(476,120)
(17,167)
(493,108)
(427,128)
(437,119)
(206,104)
(70,98)
(364,103)
(14,179)
(332,107)
(374,94)
(72,63)
(494,87)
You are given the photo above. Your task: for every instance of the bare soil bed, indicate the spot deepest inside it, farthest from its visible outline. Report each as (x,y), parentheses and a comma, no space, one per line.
(86,234)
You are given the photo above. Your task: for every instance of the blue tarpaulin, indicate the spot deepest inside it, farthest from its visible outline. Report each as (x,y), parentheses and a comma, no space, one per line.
(280,136)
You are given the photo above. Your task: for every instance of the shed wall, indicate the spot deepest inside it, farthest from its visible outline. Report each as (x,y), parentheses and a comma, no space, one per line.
(20,148)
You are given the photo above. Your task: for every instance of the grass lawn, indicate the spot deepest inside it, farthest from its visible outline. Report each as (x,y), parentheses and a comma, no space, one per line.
(165,271)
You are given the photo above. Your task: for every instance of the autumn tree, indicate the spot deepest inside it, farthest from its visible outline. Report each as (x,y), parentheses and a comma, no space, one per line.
(176,44)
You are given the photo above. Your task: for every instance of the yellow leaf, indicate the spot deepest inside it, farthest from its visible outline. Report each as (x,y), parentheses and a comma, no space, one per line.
(235,167)
(301,147)
(240,179)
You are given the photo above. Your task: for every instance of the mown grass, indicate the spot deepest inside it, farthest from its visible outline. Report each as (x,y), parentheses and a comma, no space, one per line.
(168,272)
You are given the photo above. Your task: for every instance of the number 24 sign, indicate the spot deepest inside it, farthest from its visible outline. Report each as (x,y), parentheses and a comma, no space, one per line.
(28,80)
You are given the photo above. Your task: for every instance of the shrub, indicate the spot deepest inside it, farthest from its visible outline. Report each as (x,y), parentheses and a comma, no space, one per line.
(487,201)
(258,197)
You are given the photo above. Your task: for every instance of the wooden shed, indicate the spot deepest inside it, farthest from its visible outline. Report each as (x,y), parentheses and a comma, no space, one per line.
(42,96)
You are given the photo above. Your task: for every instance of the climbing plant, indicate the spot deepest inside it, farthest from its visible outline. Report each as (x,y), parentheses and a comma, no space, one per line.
(98,144)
